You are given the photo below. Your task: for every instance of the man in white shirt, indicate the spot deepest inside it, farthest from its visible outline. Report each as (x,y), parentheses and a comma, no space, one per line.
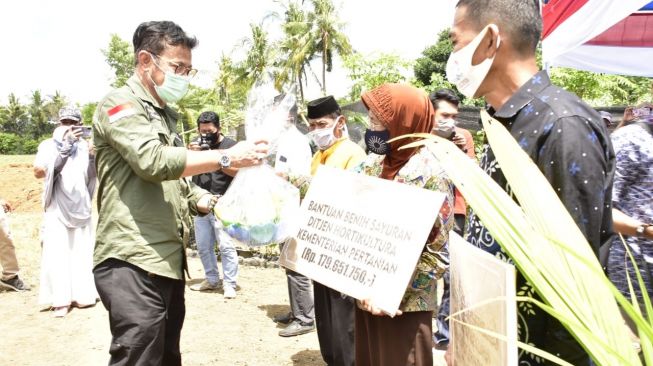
(66,163)
(293,159)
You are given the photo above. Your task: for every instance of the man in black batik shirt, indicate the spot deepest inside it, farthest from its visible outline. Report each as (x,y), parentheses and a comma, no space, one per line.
(494,57)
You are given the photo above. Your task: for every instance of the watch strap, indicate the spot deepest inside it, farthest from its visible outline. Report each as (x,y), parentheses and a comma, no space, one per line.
(213,201)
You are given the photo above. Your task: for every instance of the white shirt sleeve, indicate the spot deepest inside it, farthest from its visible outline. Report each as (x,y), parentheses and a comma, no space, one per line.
(44,154)
(293,154)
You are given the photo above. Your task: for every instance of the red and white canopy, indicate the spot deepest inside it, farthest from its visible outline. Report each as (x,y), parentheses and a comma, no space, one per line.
(610,36)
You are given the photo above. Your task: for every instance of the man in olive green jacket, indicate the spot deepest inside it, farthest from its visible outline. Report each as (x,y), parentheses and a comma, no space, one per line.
(145,200)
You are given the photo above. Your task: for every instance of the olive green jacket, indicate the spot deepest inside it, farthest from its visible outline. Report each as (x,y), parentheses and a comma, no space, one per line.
(144,206)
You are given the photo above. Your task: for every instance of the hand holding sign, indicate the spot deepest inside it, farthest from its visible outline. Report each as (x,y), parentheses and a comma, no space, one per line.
(368,305)
(353,242)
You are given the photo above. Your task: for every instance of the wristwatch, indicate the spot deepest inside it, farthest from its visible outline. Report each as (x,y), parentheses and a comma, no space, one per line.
(224,161)
(641,229)
(213,201)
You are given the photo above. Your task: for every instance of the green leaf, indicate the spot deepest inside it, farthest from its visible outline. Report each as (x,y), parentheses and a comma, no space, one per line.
(531,235)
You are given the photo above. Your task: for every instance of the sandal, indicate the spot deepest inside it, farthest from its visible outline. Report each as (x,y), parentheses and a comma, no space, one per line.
(60,311)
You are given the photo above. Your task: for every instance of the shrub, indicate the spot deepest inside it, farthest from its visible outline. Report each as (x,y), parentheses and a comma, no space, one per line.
(11,144)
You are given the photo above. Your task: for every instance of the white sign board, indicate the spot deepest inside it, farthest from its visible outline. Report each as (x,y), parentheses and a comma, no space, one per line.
(485,286)
(362,235)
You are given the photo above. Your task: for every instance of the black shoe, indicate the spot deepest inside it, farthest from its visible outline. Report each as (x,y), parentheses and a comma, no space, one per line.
(442,346)
(15,284)
(283,318)
(297,328)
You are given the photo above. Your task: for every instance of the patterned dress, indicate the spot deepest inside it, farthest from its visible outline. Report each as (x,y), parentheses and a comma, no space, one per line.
(424,171)
(632,194)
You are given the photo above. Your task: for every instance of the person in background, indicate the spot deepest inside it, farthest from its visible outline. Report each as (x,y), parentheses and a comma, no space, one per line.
(407,338)
(8,260)
(293,156)
(627,118)
(334,312)
(445,104)
(634,113)
(632,207)
(66,163)
(208,229)
(293,161)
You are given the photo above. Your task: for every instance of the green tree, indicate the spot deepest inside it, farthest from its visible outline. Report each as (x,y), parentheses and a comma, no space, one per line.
(227,75)
(431,69)
(296,49)
(14,116)
(259,54)
(230,89)
(328,36)
(119,54)
(232,95)
(434,59)
(87,113)
(603,89)
(368,72)
(38,116)
(193,103)
(52,107)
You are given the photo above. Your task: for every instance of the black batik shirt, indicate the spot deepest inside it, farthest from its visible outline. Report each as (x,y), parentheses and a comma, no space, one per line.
(568,141)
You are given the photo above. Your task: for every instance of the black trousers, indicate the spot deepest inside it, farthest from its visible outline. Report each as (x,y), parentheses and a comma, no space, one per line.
(146,314)
(334,317)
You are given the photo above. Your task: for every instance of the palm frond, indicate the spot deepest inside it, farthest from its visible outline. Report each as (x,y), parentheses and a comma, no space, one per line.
(573,287)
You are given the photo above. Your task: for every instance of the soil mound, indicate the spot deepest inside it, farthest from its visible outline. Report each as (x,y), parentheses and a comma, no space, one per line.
(18,185)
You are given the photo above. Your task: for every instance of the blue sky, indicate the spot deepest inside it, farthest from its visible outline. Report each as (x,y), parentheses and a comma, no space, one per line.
(55,45)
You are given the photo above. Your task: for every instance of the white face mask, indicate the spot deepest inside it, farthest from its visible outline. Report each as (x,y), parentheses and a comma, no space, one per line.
(324,137)
(462,73)
(446,127)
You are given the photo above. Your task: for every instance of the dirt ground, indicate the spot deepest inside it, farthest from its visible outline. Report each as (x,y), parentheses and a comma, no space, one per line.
(216,331)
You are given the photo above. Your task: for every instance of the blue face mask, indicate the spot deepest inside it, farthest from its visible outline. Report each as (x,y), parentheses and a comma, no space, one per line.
(377,141)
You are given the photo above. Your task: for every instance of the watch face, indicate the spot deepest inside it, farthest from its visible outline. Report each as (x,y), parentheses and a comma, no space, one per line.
(225,161)
(641,229)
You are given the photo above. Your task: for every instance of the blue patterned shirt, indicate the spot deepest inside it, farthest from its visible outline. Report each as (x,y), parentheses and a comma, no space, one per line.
(568,141)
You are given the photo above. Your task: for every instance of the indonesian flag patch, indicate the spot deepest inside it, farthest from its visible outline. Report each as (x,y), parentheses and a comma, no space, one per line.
(121,111)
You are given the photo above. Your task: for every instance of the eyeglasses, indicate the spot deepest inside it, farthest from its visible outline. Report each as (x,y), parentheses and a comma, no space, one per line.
(179,69)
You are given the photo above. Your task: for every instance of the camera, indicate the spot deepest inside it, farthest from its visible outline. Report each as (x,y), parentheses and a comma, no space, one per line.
(207,141)
(86,131)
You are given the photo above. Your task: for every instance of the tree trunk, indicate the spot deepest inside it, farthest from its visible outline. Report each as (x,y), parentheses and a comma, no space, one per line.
(324,60)
(301,88)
